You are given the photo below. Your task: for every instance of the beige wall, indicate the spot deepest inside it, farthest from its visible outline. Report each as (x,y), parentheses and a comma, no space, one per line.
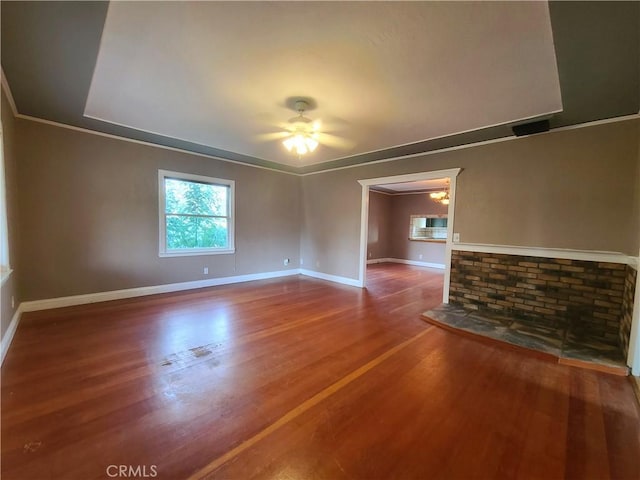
(89,210)
(402,207)
(379,225)
(389,219)
(636,198)
(89,213)
(9,288)
(568,189)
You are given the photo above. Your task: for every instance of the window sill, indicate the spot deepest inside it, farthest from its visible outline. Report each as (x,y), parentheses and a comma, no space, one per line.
(431,240)
(4,275)
(194,253)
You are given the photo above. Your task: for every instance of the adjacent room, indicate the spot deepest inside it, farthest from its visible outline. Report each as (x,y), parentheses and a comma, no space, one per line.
(320,240)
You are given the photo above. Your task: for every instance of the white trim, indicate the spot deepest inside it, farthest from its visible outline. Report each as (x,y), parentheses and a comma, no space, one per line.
(383,193)
(151,290)
(419,192)
(364,236)
(231,184)
(453,182)
(7,91)
(149,144)
(36,305)
(152,132)
(4,275)
(478,144)
(332,278)
(565,253)
(518,121)
(402,157)
(7,338)
(411,177)
(633,356)
(380,260)
(439,266)
(451,174)
(595,123)
(5,258)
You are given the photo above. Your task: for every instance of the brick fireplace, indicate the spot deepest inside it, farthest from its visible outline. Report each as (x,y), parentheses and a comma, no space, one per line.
(593,300)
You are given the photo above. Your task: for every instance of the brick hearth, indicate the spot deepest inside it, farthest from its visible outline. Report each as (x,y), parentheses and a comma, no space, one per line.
(590,299)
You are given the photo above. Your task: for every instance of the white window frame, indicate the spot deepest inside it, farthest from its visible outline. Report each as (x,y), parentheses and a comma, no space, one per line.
(5,264)
(427,239)
(163,251)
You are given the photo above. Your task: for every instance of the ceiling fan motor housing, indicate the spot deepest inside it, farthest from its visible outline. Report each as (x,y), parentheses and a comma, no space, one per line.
(301,106)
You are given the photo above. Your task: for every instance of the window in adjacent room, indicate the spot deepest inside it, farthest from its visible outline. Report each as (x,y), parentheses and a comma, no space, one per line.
(428,228)
(196,214)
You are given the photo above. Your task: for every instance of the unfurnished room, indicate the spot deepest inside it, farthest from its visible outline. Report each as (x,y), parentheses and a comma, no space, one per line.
(320,240)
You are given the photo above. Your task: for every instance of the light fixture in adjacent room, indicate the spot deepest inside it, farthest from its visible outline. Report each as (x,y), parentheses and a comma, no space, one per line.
(442,196)
(303,138)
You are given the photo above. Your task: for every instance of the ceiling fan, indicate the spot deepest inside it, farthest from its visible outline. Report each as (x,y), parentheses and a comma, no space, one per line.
(301,135)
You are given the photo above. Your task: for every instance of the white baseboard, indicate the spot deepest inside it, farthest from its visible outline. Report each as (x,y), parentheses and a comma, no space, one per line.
(379,260)
(416,263)
(73,300)
(59,302)
(8,335)
(46,304)
(332,278)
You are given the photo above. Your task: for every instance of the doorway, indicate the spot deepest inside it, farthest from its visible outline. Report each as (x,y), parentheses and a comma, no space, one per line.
(397,183)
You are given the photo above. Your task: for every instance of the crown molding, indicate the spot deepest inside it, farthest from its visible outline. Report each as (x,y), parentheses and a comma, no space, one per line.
(7,91)
(594,123)
(148,144)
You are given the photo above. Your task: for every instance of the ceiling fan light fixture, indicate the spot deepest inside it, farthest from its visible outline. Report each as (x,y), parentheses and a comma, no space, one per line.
(301,143)
(302,139)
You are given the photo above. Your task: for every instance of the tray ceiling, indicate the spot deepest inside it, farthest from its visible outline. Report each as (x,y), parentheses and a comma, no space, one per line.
(382,74)
(393,78)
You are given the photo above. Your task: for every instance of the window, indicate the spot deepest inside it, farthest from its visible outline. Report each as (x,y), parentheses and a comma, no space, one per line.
(5,269)
(428,228)
(196,214)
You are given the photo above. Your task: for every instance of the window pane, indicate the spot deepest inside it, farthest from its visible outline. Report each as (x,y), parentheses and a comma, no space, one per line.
(195,198)
(428,228)
(439,222)
(196,232)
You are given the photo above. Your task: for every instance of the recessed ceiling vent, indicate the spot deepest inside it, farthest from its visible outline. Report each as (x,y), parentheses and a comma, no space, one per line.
(530,128)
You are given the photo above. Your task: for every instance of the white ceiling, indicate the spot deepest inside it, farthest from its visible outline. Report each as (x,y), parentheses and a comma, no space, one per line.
(383,74)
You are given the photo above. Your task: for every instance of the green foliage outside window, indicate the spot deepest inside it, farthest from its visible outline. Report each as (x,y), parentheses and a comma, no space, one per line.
(196,215)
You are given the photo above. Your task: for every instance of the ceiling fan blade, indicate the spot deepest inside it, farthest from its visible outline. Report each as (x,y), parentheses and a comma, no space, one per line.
(335,141)
(330,124)
(267,137)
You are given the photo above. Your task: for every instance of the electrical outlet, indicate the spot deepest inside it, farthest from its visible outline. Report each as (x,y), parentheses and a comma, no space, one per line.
(301,261)
(420,257)
(205,270)
(317,263)
(456,237)
(370,254)
(287,261)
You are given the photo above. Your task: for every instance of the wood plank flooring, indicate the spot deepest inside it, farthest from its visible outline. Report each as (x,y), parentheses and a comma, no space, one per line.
(297,378)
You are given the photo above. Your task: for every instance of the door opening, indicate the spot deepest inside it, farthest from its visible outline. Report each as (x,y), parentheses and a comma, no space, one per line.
(428,231)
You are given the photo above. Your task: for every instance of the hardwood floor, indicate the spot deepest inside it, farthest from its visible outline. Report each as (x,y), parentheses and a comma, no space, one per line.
(298,378)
